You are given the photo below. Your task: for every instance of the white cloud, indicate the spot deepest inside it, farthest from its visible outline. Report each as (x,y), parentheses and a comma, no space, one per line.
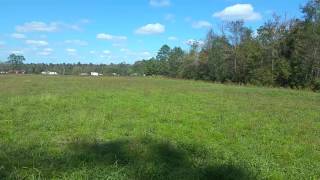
(172,38)
(92,52)
(17,52)
(18,36)
(71,51)
(48,49)
(118,44)
(75,27)
(149,29)
(46,52)
(145,53)
(106,52)
(191,42)
(238,12)
(36,26)
(104,56)
(37,42)
(124,50)
(76,42)
(201,24)
(109,37)
(160,3)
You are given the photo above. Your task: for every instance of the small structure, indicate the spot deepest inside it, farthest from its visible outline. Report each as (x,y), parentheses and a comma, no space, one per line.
(94,74)
(16,72)
(49,73)
(115,74)
(3,72)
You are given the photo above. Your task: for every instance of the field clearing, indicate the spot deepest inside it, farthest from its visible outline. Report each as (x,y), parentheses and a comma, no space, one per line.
(154,128)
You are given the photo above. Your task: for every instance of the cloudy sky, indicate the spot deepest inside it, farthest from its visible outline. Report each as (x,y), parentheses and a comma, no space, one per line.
(114,31)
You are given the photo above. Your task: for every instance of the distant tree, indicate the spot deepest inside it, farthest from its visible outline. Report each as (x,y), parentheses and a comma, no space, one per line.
(236,29)
(163,57)
(312,35)
(3,66)
(272,37)
(139,67)
(218,57)
(189,68)
(312,11)
(163,53)
(152,67)
(16,61)
(175,61)
(76,70)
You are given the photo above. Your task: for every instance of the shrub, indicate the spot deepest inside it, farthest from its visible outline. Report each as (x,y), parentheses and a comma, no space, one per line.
(316,85)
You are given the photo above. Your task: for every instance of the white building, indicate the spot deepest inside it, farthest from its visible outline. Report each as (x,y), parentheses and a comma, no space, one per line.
(94,74)
(49,73)
(53,73)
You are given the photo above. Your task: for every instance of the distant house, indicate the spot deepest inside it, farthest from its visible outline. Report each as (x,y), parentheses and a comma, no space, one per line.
(94,74)
(53,73)
(49,73)
(16,72)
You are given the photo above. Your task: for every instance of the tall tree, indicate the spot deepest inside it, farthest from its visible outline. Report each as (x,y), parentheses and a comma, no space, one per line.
(190,63)
(312,28)
(312,11)
(235,29)
(15,61)
(163,57)
(163,53)
(272,36)
(175,61)
(218,58)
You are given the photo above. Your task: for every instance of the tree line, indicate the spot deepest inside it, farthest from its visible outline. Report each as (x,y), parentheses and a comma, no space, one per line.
(15,63)
(281,53)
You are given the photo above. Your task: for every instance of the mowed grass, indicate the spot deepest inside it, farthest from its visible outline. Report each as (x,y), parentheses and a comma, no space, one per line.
(154,128)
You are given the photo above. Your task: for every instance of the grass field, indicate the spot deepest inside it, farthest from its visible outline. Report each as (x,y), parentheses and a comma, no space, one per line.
(153,128)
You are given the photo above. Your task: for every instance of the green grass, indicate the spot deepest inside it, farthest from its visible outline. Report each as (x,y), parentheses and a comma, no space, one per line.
(149,128)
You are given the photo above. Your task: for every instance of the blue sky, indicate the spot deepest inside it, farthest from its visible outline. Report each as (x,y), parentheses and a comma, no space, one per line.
(114,31)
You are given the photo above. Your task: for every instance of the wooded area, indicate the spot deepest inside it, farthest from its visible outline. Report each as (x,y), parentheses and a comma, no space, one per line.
(281,53)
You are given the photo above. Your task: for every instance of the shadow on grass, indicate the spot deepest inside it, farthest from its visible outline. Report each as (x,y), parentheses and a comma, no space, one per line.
(143,158)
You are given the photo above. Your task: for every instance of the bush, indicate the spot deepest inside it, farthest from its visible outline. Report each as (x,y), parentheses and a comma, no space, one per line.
(316,85)
(261,77)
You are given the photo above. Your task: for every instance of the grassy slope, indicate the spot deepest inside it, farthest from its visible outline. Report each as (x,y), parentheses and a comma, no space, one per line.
(140,128)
